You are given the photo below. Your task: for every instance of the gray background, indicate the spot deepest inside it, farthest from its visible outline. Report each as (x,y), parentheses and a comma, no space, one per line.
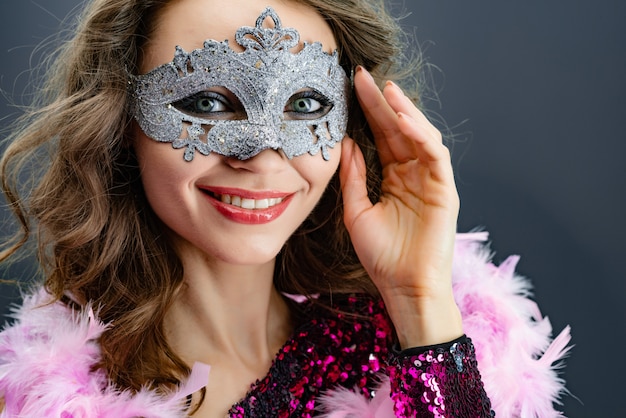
(535,93)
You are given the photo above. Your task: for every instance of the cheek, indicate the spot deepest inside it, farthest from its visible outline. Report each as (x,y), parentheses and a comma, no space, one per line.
(159,157)
(163,170)
(317,171)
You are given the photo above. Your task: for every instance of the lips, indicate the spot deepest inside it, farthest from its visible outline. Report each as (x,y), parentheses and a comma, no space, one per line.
(248,207)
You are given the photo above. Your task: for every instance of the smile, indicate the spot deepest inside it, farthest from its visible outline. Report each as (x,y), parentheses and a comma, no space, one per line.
(247,207)
(246,203)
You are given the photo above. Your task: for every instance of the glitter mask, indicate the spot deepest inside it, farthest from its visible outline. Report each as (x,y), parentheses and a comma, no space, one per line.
(268,82)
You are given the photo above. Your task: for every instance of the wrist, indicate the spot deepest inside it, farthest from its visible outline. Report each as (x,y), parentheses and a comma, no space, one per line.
(425,322)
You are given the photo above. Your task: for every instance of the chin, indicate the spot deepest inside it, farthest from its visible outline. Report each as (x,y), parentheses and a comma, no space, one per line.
(248,255)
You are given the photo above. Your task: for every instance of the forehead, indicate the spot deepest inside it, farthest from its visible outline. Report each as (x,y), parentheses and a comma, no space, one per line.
(188,23)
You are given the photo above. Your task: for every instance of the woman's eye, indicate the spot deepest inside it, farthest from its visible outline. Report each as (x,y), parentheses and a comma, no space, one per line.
(305,105)
(209,104)
(308,104)
(203,104)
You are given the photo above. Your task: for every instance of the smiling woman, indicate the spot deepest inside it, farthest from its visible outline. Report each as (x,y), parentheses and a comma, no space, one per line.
(253,228)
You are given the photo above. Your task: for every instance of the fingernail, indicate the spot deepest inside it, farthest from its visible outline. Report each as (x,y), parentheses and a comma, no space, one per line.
(360,68)
(394,85)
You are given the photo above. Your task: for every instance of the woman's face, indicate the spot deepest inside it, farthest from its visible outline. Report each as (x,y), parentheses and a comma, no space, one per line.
(232,210)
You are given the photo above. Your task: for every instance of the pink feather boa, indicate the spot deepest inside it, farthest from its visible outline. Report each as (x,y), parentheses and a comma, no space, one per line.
(45,359)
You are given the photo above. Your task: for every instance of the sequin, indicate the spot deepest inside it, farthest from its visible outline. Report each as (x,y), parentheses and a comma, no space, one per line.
(444,379)
(349,347)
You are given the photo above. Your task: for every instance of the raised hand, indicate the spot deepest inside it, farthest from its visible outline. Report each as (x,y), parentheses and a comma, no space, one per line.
(405,241)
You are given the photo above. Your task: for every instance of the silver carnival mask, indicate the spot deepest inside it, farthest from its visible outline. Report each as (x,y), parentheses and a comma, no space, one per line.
(238,104)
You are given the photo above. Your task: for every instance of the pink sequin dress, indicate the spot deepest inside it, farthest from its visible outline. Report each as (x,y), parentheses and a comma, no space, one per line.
(352,348)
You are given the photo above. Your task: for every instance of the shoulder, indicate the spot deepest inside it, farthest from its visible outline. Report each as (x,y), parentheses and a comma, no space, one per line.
(352,332)
(349,317)
(48,332)
(48,359)
(48,338)
(48,348)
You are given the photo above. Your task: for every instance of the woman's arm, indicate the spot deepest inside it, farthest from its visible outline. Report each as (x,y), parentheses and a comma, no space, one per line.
(439,380)
(406,240)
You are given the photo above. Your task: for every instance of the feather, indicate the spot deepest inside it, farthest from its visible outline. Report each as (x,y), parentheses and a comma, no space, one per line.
(47,356)
(49,374)
(516,358)
(346,403)
(517,361)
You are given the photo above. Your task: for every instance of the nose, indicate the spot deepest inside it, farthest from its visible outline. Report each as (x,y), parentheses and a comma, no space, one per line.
(267,161)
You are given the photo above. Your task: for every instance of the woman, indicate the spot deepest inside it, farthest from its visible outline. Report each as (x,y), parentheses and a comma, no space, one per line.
(215,208)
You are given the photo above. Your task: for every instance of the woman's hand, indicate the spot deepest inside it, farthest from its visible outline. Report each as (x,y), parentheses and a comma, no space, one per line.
(406,240)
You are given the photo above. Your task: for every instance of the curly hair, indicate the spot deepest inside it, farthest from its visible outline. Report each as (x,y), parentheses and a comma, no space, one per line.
(99,241)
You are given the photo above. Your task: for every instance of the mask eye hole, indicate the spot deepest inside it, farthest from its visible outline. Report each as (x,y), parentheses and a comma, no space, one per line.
(307,105)
(216,103)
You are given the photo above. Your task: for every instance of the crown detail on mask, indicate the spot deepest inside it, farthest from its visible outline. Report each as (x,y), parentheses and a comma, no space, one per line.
(277,38)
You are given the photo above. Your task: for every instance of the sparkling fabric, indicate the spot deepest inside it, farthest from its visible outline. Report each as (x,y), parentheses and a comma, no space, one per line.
(350,347)
(444,380)
(264,78)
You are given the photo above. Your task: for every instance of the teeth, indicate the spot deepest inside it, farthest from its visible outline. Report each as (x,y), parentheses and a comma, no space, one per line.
(262,204)
(245,203)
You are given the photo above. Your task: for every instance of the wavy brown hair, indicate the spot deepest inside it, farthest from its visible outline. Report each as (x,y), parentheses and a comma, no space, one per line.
(98,239)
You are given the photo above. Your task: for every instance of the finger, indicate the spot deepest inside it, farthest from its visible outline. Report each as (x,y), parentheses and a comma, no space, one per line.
(380,116)
(400,103)
(378,106)
(429,148)
(352,173)
(414,125)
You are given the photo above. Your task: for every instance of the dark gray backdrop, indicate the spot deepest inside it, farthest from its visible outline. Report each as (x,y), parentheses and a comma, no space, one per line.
(535,93)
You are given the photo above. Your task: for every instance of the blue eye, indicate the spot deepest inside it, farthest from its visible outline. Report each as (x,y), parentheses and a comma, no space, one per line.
(209,104)
(305,105)
(204,104)
(308,104)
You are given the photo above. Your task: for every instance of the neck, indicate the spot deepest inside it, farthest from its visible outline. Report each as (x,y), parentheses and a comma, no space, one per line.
(227,313)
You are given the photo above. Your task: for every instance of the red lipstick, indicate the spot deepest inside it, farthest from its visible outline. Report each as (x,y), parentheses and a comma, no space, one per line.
(243,215)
